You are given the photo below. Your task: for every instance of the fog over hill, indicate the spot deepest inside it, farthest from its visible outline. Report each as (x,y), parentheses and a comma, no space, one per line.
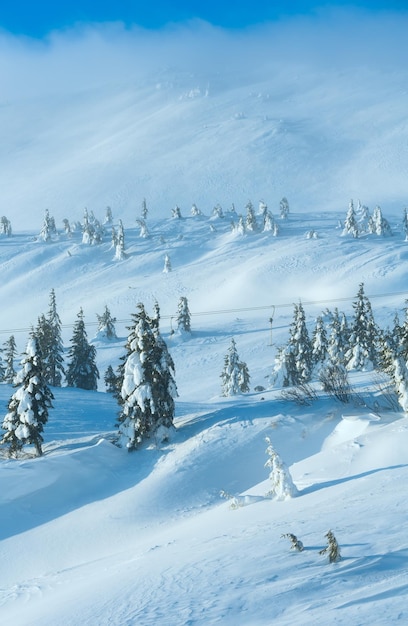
(311,109)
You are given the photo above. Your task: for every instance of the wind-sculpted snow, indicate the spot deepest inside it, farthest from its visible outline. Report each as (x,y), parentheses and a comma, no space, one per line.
(93,534)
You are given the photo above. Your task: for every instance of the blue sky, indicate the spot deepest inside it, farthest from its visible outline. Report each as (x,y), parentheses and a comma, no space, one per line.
(38,18)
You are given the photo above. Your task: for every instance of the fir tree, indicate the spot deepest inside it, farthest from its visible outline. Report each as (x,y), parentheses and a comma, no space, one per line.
(300,349)
(296,544)
(29,404)
(332,549)
(147,386)
(2,368)
(362,354)
(82,371)
(48,333)
(234,376)
(144,210)
(111,381)
(378,224)
(87,228)
(319,342)
(120,253)
(48,229)
(183,318)
(350,225)
(67,228)
(195,210)
(5,226)
(250,222)
(167,264)
(338,338)
(108,216)
(144,232)
(405,223)
(363,218)
(401,334)
(10,353)
(284,208)
(106,324)
(241,226)
(218,212)
(176,213)
(282,483)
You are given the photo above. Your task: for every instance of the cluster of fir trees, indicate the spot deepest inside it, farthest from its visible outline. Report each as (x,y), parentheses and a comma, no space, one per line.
(335,348)
(359,221)
(144,385)
(42,367)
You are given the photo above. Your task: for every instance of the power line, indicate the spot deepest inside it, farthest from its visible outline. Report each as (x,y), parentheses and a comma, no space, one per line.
(266,307)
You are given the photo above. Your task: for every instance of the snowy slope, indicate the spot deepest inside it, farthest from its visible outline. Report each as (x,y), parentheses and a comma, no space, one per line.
(91,535)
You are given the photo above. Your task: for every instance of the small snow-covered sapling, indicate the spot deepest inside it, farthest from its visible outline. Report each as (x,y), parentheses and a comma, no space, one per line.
(332,548)
(296,544)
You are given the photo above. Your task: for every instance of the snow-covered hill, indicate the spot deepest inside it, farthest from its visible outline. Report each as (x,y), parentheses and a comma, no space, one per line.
(94,535)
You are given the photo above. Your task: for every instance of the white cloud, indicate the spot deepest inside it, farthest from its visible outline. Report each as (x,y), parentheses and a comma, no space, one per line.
(91,55)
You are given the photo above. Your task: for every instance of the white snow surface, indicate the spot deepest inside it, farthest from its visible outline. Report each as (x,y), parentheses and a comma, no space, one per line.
(93,535)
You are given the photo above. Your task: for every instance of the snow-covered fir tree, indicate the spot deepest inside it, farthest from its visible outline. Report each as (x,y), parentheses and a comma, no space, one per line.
(28,406)
(378,225)
(295,362)
(250,221)
(176,213)
(147,385)
(405,223)
(284,208)
(362,353)
(363,217)
(218,212)
(87,228)
(108,216)
(268,222)
(195,210)
(296,544)
(144,211)
(282,485)
(183,318)
(144,231)
(10,353)
(399,376)
(48,229)
(120,253)
(106,325)
(400,334)
(332,549)
(82,371)
(167,265)
(49,334)
(350,224)
(67,228)
(111,380)
(337,345)
(241,229)
(5,226)
(2,368)
(234,376)
(319,342)
(98,233)
(393,358)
